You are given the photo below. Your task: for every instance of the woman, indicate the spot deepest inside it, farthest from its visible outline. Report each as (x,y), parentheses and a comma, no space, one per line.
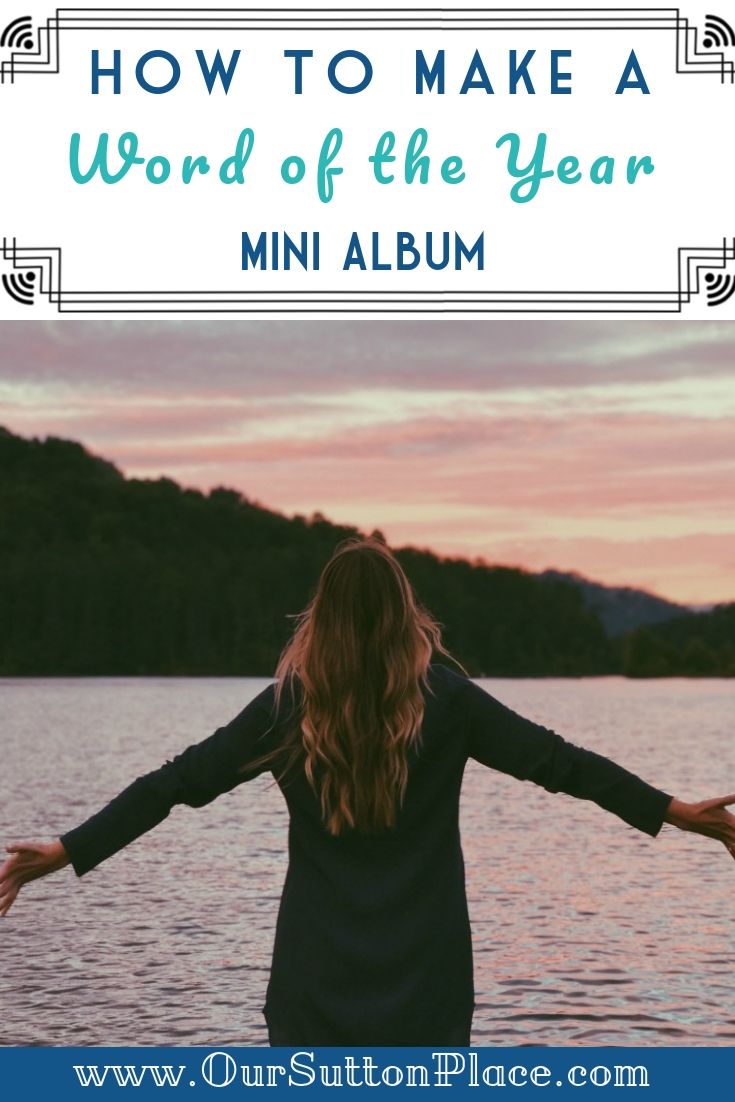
(368,741)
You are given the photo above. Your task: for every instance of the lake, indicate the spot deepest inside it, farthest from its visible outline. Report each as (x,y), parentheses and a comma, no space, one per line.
(585,930)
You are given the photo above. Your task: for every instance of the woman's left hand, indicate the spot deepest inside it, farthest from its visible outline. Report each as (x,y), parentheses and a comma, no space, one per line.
(707,817)
(28,861)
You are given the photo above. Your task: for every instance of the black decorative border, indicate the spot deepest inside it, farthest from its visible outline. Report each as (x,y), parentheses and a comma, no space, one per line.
(46,58)
(692,262)
(46,262)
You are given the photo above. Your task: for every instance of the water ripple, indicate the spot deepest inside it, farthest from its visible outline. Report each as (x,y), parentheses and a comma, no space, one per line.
(585,931)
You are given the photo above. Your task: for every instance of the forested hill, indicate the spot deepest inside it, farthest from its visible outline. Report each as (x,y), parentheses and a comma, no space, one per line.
(100,574)
(621,608)
(699,645)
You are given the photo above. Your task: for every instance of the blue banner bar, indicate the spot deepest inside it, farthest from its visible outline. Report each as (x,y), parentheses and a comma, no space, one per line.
(666,1074)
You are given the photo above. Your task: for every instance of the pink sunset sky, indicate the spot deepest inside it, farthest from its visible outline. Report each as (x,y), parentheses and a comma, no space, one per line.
(602,447)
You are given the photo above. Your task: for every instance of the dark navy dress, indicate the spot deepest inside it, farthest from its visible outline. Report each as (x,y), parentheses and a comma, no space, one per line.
(372,943)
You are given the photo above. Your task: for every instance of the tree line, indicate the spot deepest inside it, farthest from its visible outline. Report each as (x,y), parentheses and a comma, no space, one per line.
(104,575)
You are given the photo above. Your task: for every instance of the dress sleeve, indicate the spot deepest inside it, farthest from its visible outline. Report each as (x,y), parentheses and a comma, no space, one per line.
(194,777)
(500,738)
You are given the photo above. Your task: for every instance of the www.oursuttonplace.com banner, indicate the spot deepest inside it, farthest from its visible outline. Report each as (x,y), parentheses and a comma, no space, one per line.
(367,161)
(655,1075)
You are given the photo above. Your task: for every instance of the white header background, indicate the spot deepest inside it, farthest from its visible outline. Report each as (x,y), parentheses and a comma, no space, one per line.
(138,237)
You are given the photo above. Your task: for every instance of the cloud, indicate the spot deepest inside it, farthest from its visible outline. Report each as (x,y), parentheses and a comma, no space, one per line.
(249,358)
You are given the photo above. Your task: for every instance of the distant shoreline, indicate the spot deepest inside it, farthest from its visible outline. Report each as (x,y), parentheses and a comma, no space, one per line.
(266,678)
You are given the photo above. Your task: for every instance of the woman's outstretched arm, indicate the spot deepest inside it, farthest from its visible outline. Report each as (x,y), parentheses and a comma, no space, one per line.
(195,777)
(501,739)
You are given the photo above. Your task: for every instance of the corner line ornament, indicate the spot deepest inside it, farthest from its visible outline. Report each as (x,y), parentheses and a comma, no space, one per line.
(18,34)
(21,286)
(704,271)
(719,287)
(29,52)
(32,274)
(718,34)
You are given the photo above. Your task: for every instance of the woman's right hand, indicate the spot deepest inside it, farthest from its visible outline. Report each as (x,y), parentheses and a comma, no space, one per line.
(28,861)
(707,817)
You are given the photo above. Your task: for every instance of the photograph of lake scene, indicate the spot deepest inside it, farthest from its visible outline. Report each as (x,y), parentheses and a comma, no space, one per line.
(560,497)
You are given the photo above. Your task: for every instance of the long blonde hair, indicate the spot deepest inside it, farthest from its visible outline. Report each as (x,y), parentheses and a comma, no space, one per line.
(358,663)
